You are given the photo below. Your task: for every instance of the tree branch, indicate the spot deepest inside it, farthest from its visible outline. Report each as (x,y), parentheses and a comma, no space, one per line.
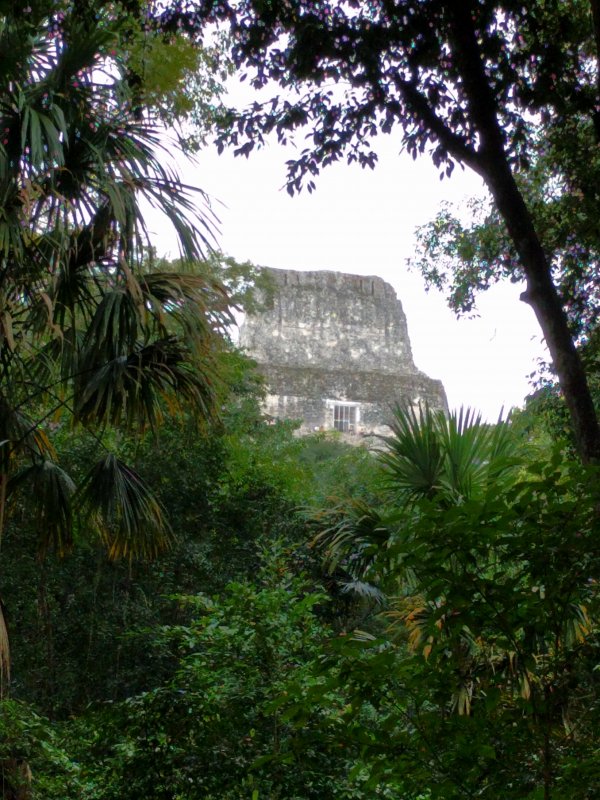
(454,144)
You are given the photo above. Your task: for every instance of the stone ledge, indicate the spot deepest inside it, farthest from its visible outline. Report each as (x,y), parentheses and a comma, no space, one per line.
(356,386)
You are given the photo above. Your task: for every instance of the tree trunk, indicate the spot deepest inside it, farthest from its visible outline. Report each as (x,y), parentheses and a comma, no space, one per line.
(16,779)
(493,165)
(543,297)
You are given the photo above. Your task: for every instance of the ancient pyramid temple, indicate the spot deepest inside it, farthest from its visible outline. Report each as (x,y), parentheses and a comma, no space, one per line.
(335,353)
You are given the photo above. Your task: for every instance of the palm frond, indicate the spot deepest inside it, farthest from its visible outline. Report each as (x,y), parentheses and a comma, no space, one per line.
(354,534)
(433,455)
(128,517)
(411,616)
(178,293)
(135,389)
(19,434)
(81,319)
(578,625)
(74,281)
(414,458)
(53,365)
(114,328)
(52,490)
(465,444)
(365,590)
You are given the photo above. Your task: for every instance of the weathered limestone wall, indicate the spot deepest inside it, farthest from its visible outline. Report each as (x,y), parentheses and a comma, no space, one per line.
(331,320)
(310,393)
(329,338)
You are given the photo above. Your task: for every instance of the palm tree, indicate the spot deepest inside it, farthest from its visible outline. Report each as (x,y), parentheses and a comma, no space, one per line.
(442,460)
(447,458)
(91,331)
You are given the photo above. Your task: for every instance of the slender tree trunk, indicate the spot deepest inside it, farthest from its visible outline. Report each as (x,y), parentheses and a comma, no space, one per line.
(4,654)
(543,297)
(46,629)
(493,165)
(3,488)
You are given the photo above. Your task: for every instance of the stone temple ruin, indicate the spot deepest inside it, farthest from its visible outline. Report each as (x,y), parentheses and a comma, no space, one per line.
(335,353)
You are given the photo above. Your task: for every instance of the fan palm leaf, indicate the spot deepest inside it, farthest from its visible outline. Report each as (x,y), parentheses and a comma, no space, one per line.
(52,490)
(19,434)
(414,456)
(430,458)
(449,457)
(135,389)
(355,536)
(129,519)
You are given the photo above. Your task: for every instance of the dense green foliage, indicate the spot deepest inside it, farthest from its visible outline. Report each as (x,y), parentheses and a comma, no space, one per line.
(447,648)
(489,561)
(91,630)
(213,729)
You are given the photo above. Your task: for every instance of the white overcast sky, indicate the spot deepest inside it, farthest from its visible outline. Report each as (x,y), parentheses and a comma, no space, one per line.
(363,222)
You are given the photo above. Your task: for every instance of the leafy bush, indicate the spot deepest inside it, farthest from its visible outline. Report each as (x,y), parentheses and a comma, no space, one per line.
(217,730)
